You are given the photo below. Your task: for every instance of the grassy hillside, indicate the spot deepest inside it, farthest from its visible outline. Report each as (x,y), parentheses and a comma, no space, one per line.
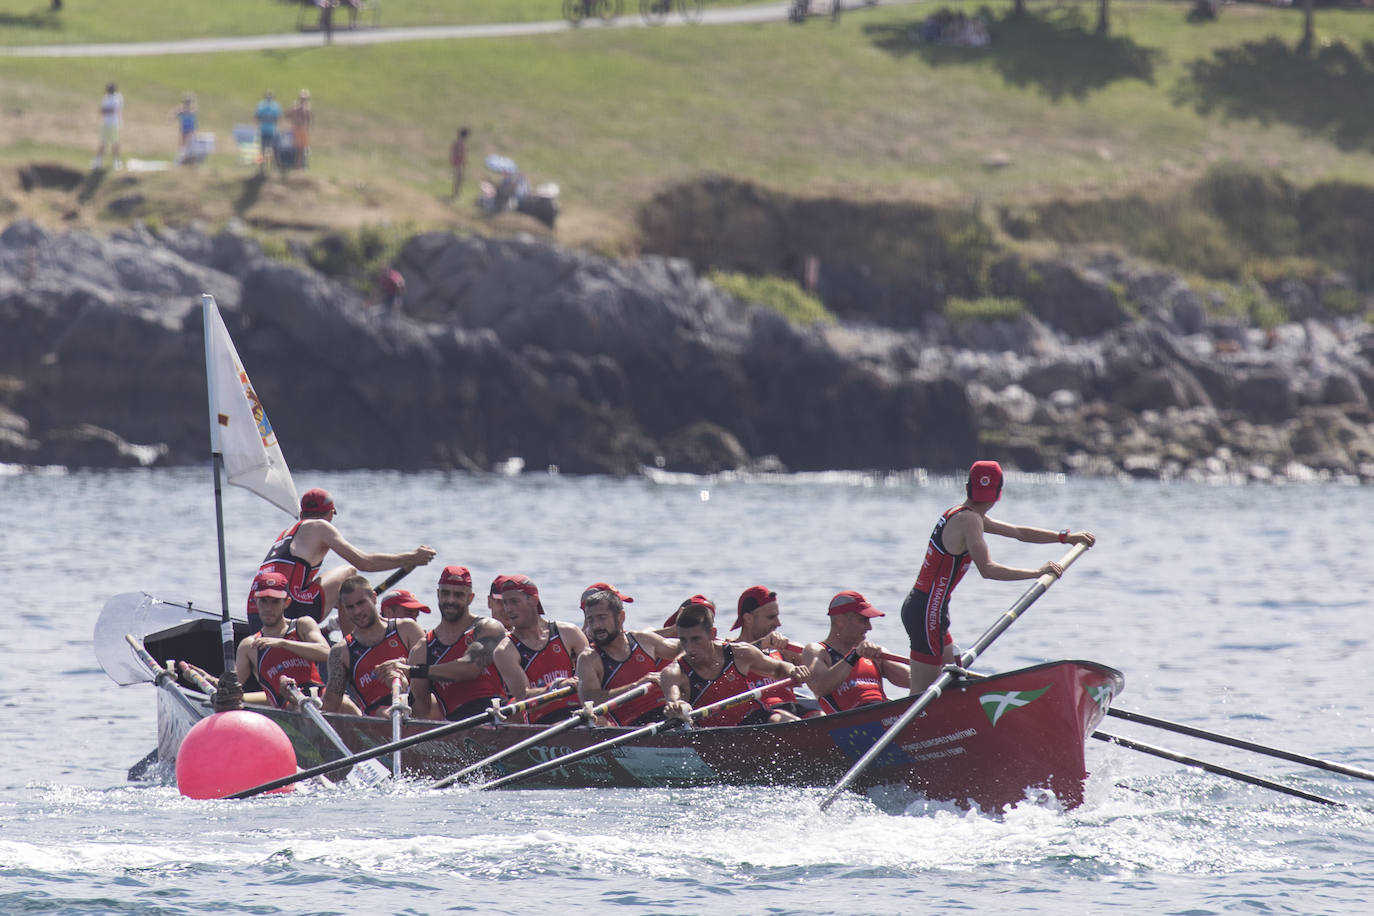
(859,109)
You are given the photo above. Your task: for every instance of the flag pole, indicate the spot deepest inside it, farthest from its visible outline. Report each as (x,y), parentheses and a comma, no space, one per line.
(229,694)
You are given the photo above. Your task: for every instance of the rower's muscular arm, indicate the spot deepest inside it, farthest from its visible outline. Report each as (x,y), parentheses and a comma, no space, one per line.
(421,701)
(338,679)
(825,677)
(507,659)
(479,656)
(589,672)
(656,644)
(330,537)
(968,528)
(754,663)
(675,689)
(243,661)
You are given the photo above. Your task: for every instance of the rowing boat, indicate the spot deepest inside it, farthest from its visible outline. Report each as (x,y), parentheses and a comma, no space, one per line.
(987,742)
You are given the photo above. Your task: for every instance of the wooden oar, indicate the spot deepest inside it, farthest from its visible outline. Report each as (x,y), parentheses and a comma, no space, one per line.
(645,732)
(576,719)
(1176,757)
(164,679)
(490,715)
(398,710)
(369,772)
(947,676)
(1241,743)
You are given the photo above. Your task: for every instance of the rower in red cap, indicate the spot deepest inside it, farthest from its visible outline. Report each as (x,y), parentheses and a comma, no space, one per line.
(548,648)
(847,669)
(300,549)
(957,541)
(466,661)
(618,660)
(758,617)
(282,648)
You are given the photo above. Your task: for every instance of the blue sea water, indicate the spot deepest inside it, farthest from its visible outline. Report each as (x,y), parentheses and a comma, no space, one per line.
(1243,609)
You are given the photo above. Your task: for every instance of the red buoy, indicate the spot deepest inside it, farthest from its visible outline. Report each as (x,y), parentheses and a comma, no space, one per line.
(232,751)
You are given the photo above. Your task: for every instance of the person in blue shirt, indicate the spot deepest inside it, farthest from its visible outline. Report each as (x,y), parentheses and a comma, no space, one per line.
(268,113)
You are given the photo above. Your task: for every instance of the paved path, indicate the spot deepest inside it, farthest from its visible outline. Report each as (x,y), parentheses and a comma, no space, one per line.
(766,12)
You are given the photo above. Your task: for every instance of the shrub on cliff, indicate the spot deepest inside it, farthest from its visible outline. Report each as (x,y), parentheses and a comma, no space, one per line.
(782,296)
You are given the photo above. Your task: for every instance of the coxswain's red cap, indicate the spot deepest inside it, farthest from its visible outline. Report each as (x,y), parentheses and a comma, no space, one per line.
(519,583)
(316,503)
(456,575)
(985,482)
(395,603)
(603,587)
(695,599)
(753,598)
(270,585)
(851,602)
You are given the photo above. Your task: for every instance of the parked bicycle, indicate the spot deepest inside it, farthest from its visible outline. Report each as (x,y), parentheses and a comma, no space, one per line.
(575,11)
(655,11)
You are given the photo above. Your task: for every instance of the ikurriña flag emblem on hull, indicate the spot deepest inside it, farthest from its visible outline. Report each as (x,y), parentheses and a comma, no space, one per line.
(996,704)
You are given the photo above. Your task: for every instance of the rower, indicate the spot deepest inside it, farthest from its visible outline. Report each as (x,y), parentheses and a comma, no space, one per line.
(758,617)
(282,648)
(547,648)
(402,603)
(710,670)
(495,604)
(848,669)
(466,661)
(300,549)
(956,541)
(359,667)
(619,660)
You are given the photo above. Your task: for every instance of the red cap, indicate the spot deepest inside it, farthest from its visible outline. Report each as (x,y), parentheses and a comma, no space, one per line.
(985,482)
(455,575)
(401,598)
(753,598)
(851,602)
(519,583)
(497,585)
(603,587)
(695,599)
(316,503)
(270,585)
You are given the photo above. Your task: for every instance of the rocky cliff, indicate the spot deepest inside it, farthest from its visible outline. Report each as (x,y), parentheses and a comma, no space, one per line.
(519,348)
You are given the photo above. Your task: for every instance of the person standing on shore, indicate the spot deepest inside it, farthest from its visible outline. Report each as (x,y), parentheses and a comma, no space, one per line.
(267,114)
(458,159)
(185,116)
(111,116)
(956,542)
(302,117)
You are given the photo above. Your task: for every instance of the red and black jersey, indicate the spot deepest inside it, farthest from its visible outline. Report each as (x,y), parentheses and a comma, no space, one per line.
(730,682)
(783,693)
(863,687)
(370,691)
(302,580)
(615,674)
(925,613)
(276,663)
(453,696)
(546,666)
(941,570)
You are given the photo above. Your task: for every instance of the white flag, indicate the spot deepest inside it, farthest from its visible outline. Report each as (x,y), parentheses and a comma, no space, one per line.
(239,429)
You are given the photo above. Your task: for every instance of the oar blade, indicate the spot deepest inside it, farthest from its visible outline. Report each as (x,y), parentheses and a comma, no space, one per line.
(136,614)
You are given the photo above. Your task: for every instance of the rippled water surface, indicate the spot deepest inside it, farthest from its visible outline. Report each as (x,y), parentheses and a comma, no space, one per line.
(1240,609)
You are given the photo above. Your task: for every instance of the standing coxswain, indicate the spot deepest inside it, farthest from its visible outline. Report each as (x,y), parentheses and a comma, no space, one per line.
(956,542)
(300,549)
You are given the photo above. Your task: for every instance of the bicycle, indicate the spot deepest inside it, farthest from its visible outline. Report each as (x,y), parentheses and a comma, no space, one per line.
(575,11)
(655,11)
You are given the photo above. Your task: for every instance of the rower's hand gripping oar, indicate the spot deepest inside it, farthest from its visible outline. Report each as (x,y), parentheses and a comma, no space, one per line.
(645,732)
(947,676)
(496,713)
(582,715)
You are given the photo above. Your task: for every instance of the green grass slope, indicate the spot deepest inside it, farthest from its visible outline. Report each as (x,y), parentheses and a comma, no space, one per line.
(1050,111)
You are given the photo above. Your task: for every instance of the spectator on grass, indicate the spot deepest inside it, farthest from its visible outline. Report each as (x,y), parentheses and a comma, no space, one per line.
(458,159)
(301,117)
(111,114)
(267,114)
(327,19)
(186,118)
